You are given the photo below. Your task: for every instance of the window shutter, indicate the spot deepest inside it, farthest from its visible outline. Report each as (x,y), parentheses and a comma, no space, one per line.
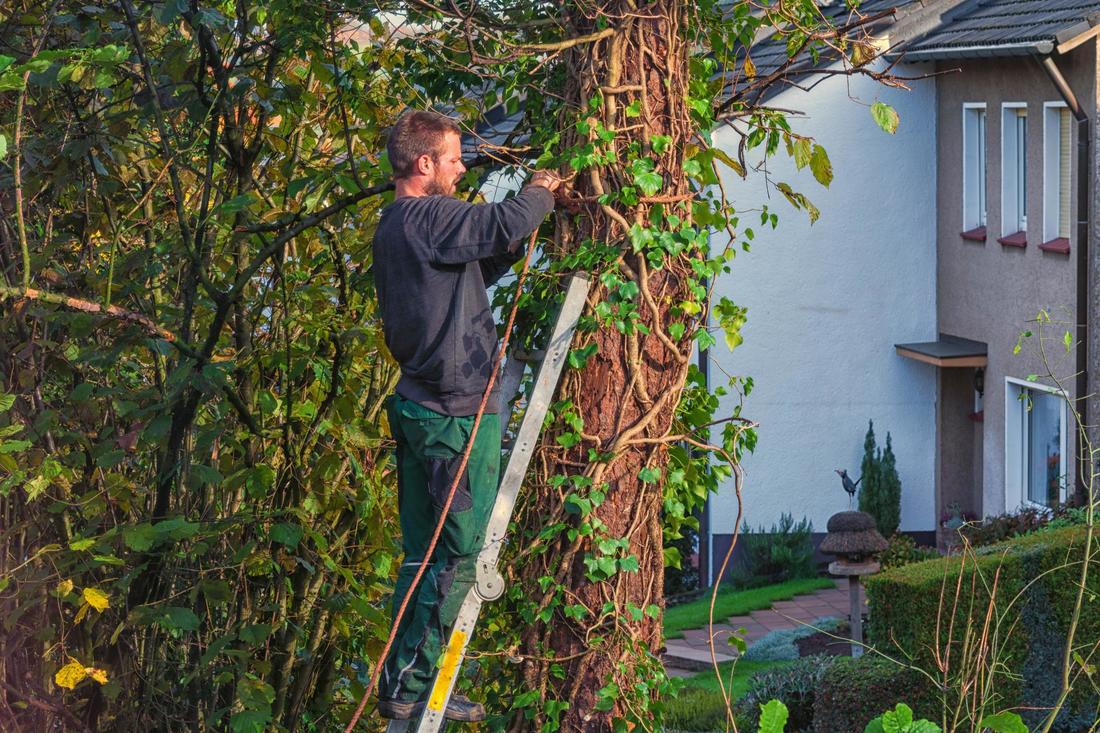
(1064,172)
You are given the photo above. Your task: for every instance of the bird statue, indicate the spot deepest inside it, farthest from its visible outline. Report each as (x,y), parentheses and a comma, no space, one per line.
(849,485)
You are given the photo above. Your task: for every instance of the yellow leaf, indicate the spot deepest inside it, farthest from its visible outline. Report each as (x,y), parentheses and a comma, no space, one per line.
(64,588)
(70,675)
(96,598)
(81,613)
(99,675)
(750,68)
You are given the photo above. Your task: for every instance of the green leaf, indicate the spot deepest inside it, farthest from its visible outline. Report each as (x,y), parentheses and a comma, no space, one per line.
(140,537)
(237,203)
(875,726)
(3,147)
(820,166)
(773,717)
(286,534)
(82,544)
(1067,338)
(898,719)
(6,61)
(1004,722)
(885,116)
(254,633)
(178,618)
(6,401)
(249,721)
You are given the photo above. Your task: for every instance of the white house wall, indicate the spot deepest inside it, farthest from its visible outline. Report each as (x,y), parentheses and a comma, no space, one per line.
(826,303)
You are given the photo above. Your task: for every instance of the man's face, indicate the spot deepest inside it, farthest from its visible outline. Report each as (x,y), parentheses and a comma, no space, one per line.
(448,168)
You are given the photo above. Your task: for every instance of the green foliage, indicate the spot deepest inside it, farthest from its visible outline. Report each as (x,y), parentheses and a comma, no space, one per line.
(213,463)
(696,709)
(885,117)
(794,684)
(903,550)
(900,720)
(853,692)
(732,601)
(1022,521)
(784,552)
(880,486)
(1031,583)
(780,644)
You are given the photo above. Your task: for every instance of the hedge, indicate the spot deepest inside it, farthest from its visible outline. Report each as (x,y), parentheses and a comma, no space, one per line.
(1030,625)
(852,692)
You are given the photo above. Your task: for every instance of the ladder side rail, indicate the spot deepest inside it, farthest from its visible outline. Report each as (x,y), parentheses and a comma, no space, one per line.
(557,350)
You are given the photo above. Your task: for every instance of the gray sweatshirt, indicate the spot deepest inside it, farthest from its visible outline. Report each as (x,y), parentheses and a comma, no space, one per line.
(433,258)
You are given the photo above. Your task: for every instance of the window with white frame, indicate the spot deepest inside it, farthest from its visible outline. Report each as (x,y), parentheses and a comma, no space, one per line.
(1036,444)
(973,165)
(1057,134)
(1014,168)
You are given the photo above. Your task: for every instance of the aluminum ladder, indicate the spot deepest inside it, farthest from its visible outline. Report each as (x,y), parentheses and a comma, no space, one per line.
(490,584)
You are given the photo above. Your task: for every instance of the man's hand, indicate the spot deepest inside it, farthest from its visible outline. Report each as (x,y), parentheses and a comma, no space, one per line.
(547,179)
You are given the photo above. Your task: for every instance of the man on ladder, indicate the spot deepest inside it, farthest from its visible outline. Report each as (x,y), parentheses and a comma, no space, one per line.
(434,255)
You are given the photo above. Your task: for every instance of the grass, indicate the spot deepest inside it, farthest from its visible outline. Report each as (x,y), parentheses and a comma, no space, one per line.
(699,705)
(732,602)
(744,670)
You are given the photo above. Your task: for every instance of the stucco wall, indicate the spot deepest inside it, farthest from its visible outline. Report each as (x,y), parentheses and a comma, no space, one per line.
(986,291)
(826,303)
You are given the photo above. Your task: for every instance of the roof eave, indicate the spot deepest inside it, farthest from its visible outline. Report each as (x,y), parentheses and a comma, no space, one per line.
(981,51)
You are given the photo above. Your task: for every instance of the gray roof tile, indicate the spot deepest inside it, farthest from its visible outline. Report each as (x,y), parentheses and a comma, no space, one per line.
(982,24)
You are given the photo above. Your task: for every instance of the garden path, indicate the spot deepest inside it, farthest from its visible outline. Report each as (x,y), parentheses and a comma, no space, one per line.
(691,654)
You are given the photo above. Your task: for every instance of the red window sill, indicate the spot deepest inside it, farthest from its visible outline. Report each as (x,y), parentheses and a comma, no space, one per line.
(1059,245)
(1019,239)
(974,235)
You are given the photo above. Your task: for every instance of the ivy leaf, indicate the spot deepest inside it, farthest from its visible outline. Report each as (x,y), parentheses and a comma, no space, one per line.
(773,717)
(1067,339)
(6,61)
(3,147)
(1004,722)
(885,116)
(97,599)
(6,401)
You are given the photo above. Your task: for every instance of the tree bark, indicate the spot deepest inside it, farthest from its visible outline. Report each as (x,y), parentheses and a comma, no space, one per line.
(627,392)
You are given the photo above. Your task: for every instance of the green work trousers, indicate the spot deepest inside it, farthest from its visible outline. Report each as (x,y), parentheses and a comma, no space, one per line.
(429,450)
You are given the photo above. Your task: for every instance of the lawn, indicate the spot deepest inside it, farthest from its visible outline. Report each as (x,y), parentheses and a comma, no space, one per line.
(732,602)
(699,705)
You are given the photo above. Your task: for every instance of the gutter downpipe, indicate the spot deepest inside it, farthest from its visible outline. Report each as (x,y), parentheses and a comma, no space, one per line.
(1083,174)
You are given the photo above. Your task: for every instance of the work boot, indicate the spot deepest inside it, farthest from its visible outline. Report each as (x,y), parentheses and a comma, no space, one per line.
(397,709)
(464,709)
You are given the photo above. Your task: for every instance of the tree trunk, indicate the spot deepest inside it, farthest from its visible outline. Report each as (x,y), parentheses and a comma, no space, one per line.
(628,390)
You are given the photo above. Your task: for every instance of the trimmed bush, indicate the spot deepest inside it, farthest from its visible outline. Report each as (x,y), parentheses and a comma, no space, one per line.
(795,685)
(1036,581)
(880,486)
(853,692)
(694,709)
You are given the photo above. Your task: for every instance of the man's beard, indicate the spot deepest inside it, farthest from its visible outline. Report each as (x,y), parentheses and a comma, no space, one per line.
(440,187)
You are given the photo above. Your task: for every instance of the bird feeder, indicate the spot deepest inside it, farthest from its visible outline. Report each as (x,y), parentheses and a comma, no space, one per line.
(852,537)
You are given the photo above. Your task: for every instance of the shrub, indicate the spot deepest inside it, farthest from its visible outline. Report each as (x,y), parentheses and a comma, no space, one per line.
(903,550)
(784,553)
(1021,522)
(1036,583)
(795,685)
(853,692)
(695,709)
(779,645)
(880,486)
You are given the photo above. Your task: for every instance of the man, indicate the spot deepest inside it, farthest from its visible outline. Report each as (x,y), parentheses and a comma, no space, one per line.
(434,255)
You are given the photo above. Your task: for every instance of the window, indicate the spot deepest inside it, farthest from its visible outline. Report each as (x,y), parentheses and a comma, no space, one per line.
(1057,134)
(1036,464)
(973,166)
(1014,168)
